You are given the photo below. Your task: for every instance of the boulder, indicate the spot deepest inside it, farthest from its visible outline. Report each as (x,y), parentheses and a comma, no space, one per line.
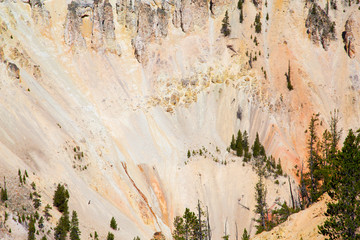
(13,70)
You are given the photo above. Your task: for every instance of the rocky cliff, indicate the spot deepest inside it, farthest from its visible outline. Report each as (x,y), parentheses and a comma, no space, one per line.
(133,85)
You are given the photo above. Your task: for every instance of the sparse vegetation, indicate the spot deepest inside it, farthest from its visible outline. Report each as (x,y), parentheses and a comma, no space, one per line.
(257,23)
(225,29)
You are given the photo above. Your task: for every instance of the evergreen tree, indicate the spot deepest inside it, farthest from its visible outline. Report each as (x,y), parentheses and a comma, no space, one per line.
(313,160)
(239,144)
(41,222)
(305,199)
(31,230)
(233,143)
(344,211)
(3,194)
(46,212)
(240,7)
(113,223)
(257,23)
(245,143)
(179,231)
(261,206)
(110,236)
(256,146)
(74,229)
(245,235)
(63,227)
(186,227)
(225,29)
(288,78)
(60,199)
(190,224)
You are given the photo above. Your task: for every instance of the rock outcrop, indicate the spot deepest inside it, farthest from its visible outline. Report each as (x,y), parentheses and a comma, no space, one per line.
(73,22)
(40,15)
(13,70)
(127,14)
(320,27)
(192,13)
(152,25)
(348,38)
(99,27)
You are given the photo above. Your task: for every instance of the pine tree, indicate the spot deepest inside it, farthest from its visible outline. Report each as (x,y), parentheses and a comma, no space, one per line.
(113,223)
(240,7)
(60,199)
(63,227)
(261,206)
(186,227)
(110,236)
(313,163)
(74,229)
(239,144)
(31,230)
(245,235)
(288,78)
(257,23)
(225,29)
(3,194)
(256,146)
(344,211)
(46,212)
(179,231)
(41,222)
(245,143)
(96,236)
(233,143)
(305,199)
(190,224)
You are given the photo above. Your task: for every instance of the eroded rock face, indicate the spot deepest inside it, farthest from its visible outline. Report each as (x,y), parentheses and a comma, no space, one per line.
(73,22)
(193,12)
(101,24)
(348,38)
(152,25)
(320,28)
(216,6)
(127,14)
(40,15)
(103,28)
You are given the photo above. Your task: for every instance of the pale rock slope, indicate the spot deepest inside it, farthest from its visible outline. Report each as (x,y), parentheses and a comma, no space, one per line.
(302,225)
(134,85)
